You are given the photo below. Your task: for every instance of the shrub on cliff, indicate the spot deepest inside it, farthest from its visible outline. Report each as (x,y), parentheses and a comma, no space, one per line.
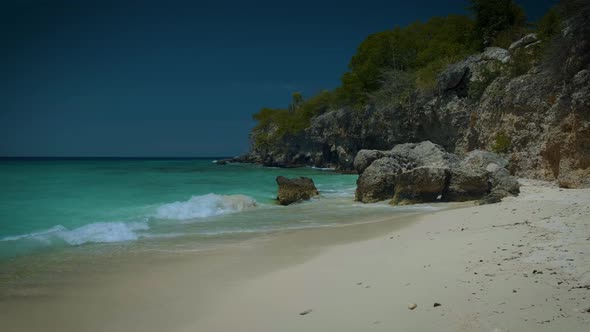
(523,60)
(397,89)
(478,87)
(502,143)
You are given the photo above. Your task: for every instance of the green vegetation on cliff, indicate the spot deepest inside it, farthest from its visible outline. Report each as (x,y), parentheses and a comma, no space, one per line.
(422,49)
(407,62)
(274,123)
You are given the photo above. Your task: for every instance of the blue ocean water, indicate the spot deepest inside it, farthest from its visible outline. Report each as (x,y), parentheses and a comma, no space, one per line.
(60,202)
(56,203)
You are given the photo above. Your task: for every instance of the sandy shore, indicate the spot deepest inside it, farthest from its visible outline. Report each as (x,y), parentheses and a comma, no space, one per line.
(520,265)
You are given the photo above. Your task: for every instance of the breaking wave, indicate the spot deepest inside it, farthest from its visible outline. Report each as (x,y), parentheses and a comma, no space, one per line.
(205,206)
(99,232)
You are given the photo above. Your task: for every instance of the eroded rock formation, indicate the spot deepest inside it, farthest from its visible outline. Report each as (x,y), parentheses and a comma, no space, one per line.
(417,173)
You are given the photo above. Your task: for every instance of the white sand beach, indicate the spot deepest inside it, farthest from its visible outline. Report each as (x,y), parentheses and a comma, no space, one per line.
(519,265)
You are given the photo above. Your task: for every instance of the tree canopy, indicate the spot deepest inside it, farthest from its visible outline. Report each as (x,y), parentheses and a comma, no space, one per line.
(421,48)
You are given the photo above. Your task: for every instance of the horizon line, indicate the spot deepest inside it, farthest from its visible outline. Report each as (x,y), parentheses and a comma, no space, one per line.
(114,157)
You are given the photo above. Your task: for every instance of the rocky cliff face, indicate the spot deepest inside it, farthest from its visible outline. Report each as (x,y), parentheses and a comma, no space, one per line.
(537,117)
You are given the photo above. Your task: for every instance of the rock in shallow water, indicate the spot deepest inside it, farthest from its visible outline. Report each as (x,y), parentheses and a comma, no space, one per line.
(294,190)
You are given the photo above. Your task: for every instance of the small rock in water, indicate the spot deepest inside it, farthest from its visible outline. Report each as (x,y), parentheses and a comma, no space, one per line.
(303,313)
(436,304)
(412,306)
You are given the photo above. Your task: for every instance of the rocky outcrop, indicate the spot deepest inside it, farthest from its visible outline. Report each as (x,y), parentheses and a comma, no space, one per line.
(524,41)
(536,116)
(457,77)
(378,180)
(364,158)
(419,185)
(416,173)
(467,183)
(294,190)
(502,183)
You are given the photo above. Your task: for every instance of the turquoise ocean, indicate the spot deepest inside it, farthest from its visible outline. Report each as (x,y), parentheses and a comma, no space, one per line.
(48,204)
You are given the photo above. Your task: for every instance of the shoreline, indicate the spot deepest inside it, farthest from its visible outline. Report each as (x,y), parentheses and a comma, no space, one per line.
(264,285)
(129,255)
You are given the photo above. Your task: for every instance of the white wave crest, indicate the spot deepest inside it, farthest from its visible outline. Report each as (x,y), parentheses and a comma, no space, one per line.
(323,168)
(334,193)
(91,233)
(205,206)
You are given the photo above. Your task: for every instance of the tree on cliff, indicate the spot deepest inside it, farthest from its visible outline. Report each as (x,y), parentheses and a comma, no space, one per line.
(497,21)
(296,101)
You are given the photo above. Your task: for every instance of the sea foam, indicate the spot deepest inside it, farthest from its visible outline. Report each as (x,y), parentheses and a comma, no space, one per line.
(91,233)
(205,206)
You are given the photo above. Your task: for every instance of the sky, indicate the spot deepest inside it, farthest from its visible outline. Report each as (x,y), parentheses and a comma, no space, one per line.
(175,78)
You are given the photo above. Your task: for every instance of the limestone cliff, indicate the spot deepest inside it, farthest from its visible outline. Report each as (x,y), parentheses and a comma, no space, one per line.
(536,115)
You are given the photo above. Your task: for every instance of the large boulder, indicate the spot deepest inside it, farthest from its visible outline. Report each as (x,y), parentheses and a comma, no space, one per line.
(479,174)
(377,182)
(483,159)
(421,184)
(364,158)
(429,154)
(294,190)
(467,183)
(425,172)
(502,183)
(378,179)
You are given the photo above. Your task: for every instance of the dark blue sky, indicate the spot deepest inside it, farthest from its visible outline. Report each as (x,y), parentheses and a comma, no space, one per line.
(174,78)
